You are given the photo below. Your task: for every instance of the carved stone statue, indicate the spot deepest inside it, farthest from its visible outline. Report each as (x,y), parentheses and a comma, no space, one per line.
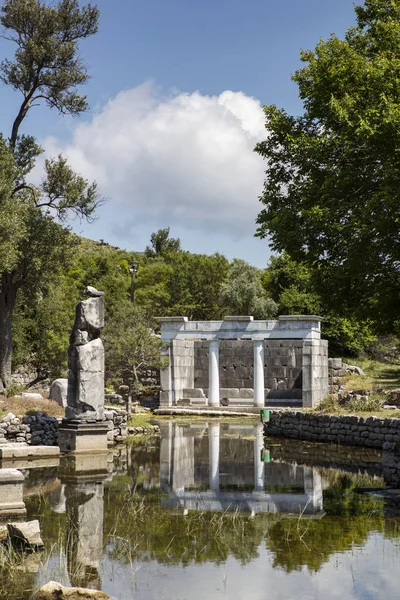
(85,398)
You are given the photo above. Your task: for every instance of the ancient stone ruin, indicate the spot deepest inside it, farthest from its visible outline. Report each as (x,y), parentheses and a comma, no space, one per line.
(85,397)
(84,428)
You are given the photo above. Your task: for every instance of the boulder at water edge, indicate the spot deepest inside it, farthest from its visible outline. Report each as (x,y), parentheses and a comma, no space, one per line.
(53,590)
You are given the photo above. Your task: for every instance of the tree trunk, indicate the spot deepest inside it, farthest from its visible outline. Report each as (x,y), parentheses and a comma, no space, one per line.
(8,294)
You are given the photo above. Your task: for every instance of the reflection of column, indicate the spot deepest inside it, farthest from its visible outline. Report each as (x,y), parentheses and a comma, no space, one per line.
(213,374)
(313,486)
(258,463)
(166,437)
(259,392)
(213,436)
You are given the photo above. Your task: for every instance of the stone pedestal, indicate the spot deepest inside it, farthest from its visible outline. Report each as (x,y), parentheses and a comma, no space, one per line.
(11,493)
(77,436)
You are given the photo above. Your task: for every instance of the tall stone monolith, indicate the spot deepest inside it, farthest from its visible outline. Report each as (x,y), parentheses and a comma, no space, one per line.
(85,398)
(83,429)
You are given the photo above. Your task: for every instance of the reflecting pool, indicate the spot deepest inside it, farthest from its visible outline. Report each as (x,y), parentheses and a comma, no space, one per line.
(211,510)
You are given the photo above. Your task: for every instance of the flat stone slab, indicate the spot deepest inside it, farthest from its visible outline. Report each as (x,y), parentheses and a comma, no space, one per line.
(11,493)
(9,451)
(206,412)
(30,463)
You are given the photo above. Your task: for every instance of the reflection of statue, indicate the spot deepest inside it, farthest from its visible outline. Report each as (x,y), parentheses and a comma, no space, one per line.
(84,508)
(85,399)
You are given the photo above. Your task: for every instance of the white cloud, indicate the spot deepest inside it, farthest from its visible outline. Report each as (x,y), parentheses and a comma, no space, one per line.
(185,160)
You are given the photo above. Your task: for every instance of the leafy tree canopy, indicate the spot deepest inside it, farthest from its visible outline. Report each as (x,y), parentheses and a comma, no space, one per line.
(161,243)
(331,193)
(243,293)
(46,67)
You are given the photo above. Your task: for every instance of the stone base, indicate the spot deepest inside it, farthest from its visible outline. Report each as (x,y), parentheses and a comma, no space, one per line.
(11,493)
(84,467)
(78,436)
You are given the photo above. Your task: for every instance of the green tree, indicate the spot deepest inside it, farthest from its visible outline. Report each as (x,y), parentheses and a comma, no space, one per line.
(132,348)
(243,293)
(290,285)
(46,68)
(181,283)
(161,243)
(332,185)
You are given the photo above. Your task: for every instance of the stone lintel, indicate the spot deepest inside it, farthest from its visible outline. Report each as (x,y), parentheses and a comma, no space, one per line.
(241,319)
(173,319)
(300,318)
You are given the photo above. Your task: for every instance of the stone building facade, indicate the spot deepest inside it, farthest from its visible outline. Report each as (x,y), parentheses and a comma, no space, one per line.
(240,361)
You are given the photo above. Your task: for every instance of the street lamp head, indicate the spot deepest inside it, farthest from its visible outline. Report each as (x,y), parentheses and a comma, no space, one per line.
(134,266)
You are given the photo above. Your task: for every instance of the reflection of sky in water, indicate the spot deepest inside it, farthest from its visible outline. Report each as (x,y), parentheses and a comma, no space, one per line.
(369,572)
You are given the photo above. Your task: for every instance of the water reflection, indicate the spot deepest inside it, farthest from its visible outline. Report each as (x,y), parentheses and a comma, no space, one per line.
(198,509)
(83,479)
(247,480)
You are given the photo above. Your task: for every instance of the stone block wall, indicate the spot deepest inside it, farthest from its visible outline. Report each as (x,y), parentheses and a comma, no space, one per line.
(336,370)
(282,369)
(370,432)
(116,421)
(42,430)
(181,368)
(315,372)
(36,430)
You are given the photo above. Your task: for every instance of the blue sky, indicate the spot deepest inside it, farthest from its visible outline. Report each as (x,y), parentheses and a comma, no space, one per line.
(175,92)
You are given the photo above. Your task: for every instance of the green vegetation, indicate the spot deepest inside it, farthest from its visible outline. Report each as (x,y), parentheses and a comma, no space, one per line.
(331,196)
(331,172)
(46,68)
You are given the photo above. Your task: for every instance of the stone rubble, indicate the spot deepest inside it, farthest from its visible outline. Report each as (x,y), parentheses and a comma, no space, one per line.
(26,535)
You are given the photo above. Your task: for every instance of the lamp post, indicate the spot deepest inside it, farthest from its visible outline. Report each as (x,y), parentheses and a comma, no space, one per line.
(132,270)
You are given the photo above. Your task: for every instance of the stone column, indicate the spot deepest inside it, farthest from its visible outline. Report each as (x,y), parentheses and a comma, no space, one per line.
(259,466)
(259,391)
(213,440)
(213,374)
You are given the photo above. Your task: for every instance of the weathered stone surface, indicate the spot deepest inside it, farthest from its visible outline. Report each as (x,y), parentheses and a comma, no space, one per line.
(25,534)
(58,392)
(11,493)
(31,396)
(353,369)
(8,418)
(85,398)
(53,590)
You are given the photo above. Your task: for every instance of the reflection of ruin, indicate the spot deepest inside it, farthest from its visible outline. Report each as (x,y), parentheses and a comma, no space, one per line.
(83,478)
(207,474)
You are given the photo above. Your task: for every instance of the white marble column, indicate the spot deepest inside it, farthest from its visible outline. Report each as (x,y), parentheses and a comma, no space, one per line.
(259,466)
(213,374)
(259,391)
(213,440)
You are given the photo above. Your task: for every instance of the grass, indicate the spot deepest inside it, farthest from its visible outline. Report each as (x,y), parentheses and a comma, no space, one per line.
(141,420)
(378,375)
(26,406)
